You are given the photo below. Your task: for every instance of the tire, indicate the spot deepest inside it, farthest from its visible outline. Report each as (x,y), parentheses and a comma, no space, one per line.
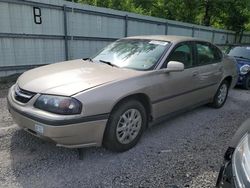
(221,95)
(247,82)
(122,134)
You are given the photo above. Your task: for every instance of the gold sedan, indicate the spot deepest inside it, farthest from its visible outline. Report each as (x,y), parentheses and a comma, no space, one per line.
(111,98)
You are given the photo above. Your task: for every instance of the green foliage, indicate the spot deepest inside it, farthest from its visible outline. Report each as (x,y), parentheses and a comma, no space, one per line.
(224,14)
(238,15)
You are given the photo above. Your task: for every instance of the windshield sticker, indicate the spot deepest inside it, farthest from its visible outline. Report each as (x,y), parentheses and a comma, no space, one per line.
(248,48)
(162,43)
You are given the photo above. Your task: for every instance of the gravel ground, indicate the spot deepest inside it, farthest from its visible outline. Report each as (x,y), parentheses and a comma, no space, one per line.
(185,151)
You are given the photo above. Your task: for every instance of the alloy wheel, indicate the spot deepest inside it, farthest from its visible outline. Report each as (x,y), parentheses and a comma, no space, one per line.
(222,94)
(128,126)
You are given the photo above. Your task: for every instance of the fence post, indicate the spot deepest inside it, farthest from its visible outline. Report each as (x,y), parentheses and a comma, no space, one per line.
(126,26)
(213,33)
(65,32)
(193,31)
(235,37)
(166,28)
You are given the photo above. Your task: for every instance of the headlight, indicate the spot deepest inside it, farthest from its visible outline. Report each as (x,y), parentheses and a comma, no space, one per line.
(58,104)
(244,69)
(241,163)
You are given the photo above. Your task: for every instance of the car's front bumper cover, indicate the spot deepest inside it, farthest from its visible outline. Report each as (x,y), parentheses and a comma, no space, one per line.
(71,133)
(225,177)
(241,79)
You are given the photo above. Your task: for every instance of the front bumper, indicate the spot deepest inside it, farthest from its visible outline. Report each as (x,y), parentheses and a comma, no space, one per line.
(241,80)
(225,177)
(71,135)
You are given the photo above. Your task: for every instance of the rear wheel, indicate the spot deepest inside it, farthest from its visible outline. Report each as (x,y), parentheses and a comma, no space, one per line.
(221,95)
(247,83)
(125,126)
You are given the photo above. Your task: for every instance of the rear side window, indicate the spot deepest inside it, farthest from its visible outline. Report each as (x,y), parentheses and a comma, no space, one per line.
(217,54)
(207,54)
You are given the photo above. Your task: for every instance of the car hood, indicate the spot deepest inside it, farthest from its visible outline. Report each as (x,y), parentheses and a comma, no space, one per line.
(242,62)
(70,77)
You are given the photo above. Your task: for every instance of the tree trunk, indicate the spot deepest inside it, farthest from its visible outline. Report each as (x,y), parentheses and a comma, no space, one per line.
(207,16)
(241,35)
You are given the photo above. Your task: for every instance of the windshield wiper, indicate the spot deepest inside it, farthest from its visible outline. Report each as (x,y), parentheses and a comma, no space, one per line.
(88,59)
(108,63)
(242,57)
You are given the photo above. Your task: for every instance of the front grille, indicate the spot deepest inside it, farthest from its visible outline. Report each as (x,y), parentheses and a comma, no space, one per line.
(23,96)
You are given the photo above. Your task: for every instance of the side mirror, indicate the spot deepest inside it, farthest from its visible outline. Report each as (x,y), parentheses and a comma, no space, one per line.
(174,66)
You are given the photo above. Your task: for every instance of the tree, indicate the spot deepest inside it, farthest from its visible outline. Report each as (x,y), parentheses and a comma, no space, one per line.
(225,14)
(237,16)
(209,6)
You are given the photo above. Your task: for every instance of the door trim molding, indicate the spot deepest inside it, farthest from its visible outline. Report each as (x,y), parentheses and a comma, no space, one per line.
(182,93)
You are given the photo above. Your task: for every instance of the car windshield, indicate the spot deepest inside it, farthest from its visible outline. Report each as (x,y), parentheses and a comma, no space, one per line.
(132,53)
(240,51)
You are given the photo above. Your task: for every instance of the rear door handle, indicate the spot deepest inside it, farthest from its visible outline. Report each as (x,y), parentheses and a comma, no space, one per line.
(220,68)
(194,74)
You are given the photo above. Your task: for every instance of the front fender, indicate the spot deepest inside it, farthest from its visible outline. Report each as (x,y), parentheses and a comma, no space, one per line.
(102,99)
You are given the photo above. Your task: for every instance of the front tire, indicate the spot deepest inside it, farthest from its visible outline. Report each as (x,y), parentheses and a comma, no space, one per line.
(125,126)
(221,95)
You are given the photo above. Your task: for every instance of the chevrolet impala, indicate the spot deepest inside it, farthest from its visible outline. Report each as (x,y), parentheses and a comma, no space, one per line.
(111,98)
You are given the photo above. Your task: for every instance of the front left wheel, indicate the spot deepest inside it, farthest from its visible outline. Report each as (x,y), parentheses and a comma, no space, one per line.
(125,126)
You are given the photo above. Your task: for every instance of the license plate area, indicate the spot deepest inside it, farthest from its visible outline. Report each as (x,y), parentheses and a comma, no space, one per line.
(39,129)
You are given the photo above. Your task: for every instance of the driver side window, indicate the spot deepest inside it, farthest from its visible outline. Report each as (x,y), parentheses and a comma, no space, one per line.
(183,54)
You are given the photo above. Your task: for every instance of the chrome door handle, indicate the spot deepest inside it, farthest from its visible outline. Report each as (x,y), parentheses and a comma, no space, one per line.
(194,74)
(220,68)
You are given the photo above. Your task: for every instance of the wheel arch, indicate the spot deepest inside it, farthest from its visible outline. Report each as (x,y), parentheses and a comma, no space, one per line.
(229,79)
(142,98)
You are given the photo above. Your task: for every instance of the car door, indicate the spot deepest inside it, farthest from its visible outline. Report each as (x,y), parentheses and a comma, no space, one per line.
(209,69)
(175,91)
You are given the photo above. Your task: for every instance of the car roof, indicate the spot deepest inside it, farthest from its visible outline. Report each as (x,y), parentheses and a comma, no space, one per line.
(242,45)
(169,38)
(234,45)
